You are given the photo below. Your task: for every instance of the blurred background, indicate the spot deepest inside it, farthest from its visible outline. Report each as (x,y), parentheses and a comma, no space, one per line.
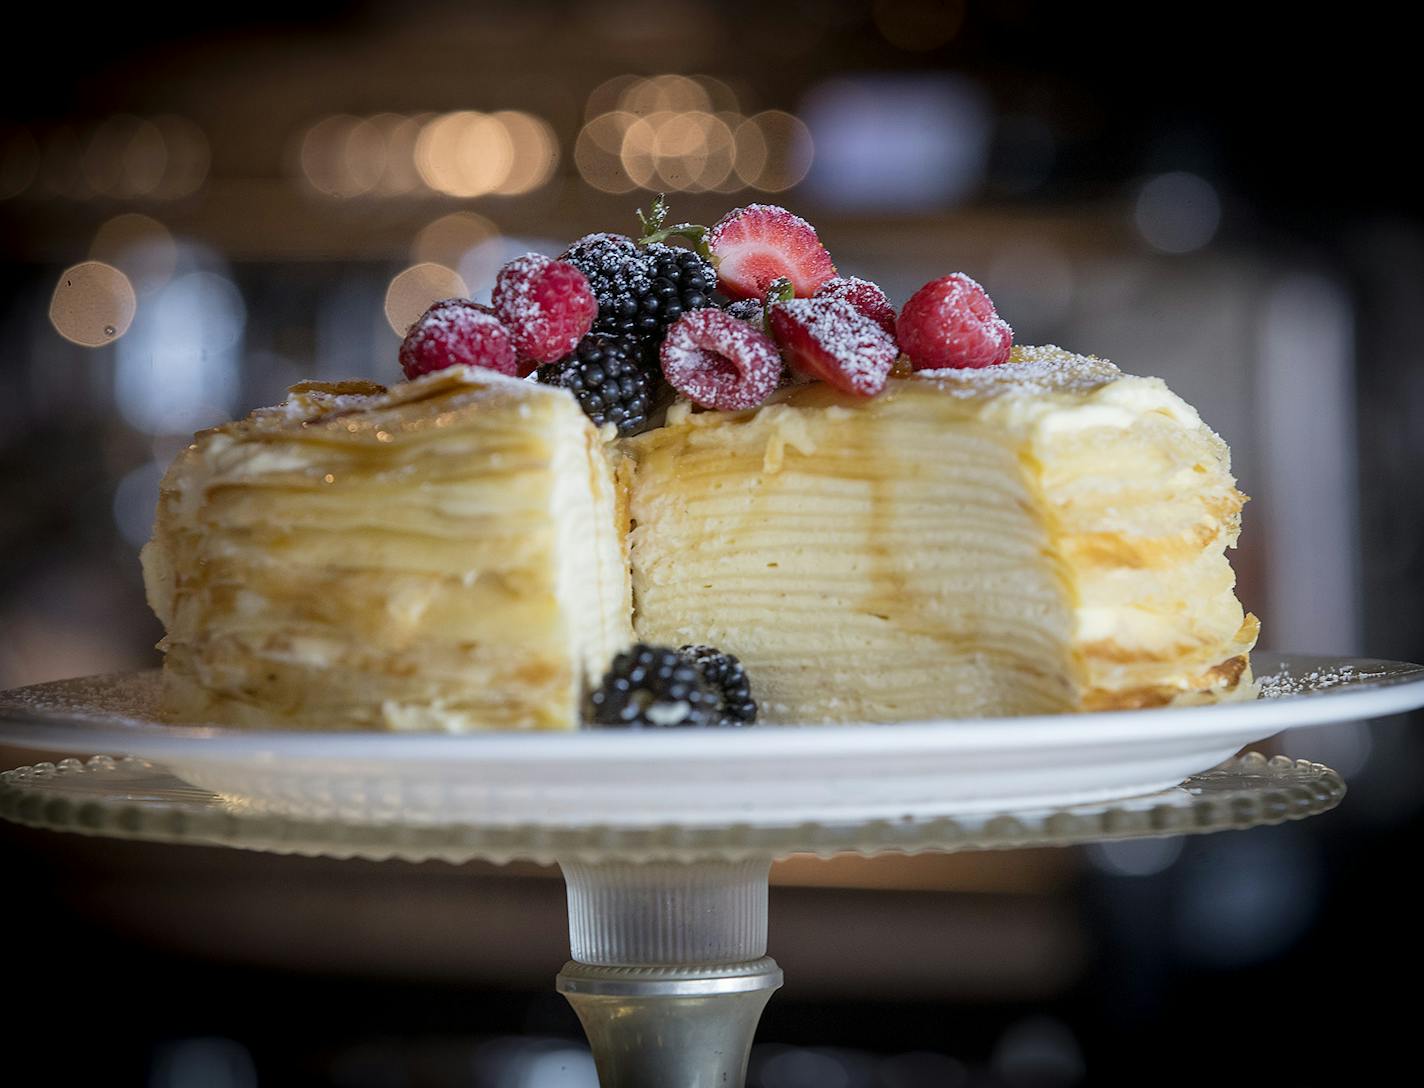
(201,207)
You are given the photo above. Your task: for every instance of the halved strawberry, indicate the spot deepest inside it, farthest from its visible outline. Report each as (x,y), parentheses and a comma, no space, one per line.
(829,339)
(756,244)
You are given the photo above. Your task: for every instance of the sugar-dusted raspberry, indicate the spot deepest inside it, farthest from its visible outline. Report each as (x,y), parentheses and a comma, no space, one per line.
(951,322)
(718,361)
(547,306)
(829,339)
(456,332)
(865,296)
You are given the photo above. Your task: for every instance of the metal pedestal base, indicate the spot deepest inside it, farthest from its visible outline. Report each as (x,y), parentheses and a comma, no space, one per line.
(653,1027)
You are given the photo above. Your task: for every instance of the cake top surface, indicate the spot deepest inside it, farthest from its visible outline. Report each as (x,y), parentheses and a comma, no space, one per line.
(362,410)
(1031,371)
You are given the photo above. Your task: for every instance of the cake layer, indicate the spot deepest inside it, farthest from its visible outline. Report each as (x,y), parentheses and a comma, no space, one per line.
(448,555)
(1044,536)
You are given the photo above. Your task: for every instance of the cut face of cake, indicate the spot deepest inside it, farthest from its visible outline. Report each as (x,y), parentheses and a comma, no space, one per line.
(1047,535)
(448,555)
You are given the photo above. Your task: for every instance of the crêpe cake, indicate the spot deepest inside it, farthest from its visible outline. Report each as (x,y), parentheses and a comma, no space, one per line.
(446,555)
(1042,536)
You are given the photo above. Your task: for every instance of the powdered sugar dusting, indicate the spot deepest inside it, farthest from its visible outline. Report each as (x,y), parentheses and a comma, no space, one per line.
(1030,371)
(547,305)
(719,361)
(1281,685)
(865,296)
(951,322)
(830,339)
(457,332)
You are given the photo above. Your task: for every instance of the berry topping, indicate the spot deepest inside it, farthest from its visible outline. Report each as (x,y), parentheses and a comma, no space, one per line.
(950,322)
(718,361)
(604,375)
(829,339)
(643,287)
(547,306)
(455,332)
(728,679)
(748,309)
(865,297)
(653,687)
(756,244)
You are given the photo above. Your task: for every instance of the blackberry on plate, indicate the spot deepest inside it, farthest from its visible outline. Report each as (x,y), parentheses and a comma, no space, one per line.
(653,687)
(603,374)
(728,677)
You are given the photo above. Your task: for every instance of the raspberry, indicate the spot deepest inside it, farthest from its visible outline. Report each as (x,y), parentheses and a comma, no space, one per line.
(829,339)
(547,306)
(456,332)
(950,322)
(718,361)
(760,243)
(865,296)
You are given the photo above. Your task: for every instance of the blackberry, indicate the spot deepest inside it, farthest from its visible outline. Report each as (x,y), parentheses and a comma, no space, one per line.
(642,287)
(603,373)
(728,678)
(620,275)
(653,687)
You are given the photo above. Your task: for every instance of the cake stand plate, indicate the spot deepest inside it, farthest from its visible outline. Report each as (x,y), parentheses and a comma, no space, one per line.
(758,778)
(669,974)
(666,839)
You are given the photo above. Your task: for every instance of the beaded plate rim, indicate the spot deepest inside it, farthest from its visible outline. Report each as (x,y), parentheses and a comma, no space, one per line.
(124,798)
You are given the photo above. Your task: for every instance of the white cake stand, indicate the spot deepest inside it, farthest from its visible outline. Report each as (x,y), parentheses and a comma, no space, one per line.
(668,893)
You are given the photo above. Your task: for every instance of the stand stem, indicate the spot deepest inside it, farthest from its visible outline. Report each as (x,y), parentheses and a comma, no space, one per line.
(670,973)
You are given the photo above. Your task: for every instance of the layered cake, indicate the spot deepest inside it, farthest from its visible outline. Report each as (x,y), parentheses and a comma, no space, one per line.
(1046,535)
(657,485)
(446,555)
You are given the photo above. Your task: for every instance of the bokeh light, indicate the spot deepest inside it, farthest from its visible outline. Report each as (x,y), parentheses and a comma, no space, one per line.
(188,157)
(1177,212)
(125,157)
(448,239)
(413,290)
(326,158)
(535,152)
(686,134)
(789,151)
(598,152)
(177,370)
(93,304)
(464,154)
(139,246)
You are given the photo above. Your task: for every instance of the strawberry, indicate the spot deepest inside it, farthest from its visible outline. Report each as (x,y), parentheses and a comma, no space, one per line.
(756,244)
(829,339)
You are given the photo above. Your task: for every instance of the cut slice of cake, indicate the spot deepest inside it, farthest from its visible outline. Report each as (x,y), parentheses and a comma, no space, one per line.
(1047,535)
(447,555)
